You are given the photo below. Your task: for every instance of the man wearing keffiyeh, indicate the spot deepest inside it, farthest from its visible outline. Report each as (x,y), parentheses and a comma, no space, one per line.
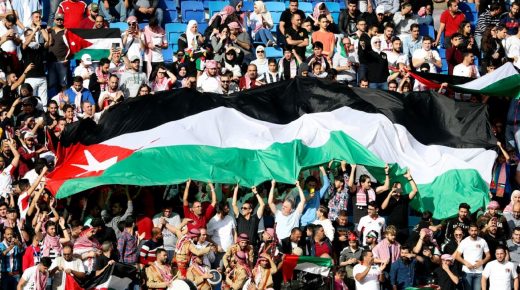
(35,277)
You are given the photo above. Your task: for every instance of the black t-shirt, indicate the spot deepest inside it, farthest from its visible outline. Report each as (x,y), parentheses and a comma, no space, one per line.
(286,18)
(58,50)
(444,280)
(36,57)
(301,34)
(398,212)
(250,227)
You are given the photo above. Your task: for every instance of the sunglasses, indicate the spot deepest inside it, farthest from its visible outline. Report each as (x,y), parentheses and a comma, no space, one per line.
(59,19)
(161,72)
(225,82)
(261,51)
(245,208)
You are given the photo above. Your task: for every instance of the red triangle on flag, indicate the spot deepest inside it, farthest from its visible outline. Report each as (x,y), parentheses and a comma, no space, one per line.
(76,42)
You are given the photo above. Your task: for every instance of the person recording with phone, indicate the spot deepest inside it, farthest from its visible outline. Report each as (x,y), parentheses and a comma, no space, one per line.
(133,40)
(10,260)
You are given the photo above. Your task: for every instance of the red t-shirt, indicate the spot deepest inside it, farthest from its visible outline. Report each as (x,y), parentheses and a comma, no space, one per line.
(452,22)
(321,249)
(198,222)
(73,12)
(145,224)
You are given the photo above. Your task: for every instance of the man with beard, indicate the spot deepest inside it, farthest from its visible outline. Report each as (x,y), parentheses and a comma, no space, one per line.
(78,94)
(242,245)
(501,273)
(199,273)
(209,81)
(147,254)
(89,21)
(402,272)
(293,241)
(168,217)
(29,152)
(348,18)
(185,249)
(493,237)
(99,79)
(513,218)
(511,20)
(10,260)
(469,254)
(159,275)
(461,221)
(6,175)
(132,78)
(349,257)
(249,80)
(57,63)
(513,247)
(112,95)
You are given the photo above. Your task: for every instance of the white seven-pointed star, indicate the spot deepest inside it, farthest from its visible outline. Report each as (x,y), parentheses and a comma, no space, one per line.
(94,165)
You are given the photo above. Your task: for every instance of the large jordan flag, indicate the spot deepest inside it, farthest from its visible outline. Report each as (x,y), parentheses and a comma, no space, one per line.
(95,42)
(275,131)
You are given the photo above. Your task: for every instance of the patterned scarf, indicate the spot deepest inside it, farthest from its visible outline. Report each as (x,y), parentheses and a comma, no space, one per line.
(40,280)
(361,196)
(49,243)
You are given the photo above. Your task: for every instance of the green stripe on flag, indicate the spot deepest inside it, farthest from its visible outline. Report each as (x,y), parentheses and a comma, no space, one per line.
(324,262)
(95,54)
(282,162)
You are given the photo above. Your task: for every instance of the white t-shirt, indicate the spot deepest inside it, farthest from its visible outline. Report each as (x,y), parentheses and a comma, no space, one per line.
(8,46)
(472,251)
(6,180)
(28,276)
(58,280)
(422,54)
(500,275)
(367,224)
(462,70)
(284,224)
(169,238)
(221,231)
(81,71)
(157,55)
(371,281)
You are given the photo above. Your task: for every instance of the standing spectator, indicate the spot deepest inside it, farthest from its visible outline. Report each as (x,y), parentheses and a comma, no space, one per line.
(396,54)
(145,9)
(313,198)
(402,272)
(158,274)
(112,95)
(286,19)
(390,6)
(287,218)
(397,204)
(427,55)
(364,191)
(451,19)
(248,220)
(467,68)
(148,251)
(90,21)
(132,78)
(513,218)
(473,253)
(454,54)
(489,18)
(412,41)
(261,23)
(447,275)
(169,239)
(377,63)
(73,12)
(323,220)
(387,37)
(222,229)
(493,212)
(501,273)
(511,19)
(296,37)
(404,19)
(57,63)
(364,49)
(127,244)
(10,260)
(349,257)
(371,222)
(114,10)
(99,80)
(388,250)
(348,19)
(324,36)
(155,41)
(493,237)
(84,70)
(460,221)
(78,94)
(34,277)
(66,264)
(513,247)
(34,48)
(116,214)
(379,19)
(9,42)
(200,218)
(133,38)
(367,275)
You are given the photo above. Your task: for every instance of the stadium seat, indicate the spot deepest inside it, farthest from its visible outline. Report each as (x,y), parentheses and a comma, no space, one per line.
(272,52)
(275,6)
(469,11)
(215,6)
(168,54)
(202,27)
(121,25)
(306,7)
(167,5)
(427,30)
(173,31)
(248,6)
(171,16)
(444,69)
(142,25)
(192,10)
(442,52)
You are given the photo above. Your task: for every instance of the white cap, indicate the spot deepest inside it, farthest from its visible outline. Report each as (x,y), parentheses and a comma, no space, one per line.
(86,59)
(401,59)
(380,9)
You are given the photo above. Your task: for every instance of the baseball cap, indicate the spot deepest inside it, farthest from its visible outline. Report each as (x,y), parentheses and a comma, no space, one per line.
(133,58)
(493,205)
(380,9)
(372,234)
(86,59)
(28,135)
(59,16)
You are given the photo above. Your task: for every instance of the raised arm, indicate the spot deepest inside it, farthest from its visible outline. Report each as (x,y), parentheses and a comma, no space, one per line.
(213,194)
(414,191)
(234,202)
(351,181)
(301,205)
(261,203)
(66,237)
(506,155)
(386,185)
(185,195)
(38,180)
(16,154)
(325,181)
(270,198)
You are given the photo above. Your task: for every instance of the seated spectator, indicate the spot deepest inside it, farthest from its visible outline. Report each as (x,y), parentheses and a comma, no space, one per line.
(219,42)
(227,85)
(231,63)
(240,39)
(191,40)
(261,23)
(318,56)
(114,10)
(132,78)
(467,67)
(164,79)
(317,71)
(345,62)
(273,74)
(378,19)
(511,19)
(208,81)
(145,9)
(260,61)
(250,79)
(492,47)
(219,20)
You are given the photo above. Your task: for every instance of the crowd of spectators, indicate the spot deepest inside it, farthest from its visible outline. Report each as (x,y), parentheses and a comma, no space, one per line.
(181,231)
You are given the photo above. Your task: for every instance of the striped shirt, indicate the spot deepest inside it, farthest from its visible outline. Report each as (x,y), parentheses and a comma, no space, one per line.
(127,248)
(485,20)
(12,261)
(147,252)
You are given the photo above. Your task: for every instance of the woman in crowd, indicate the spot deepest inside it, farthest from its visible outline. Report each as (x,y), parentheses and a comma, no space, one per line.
(220,42)
(261,61)
(219,20)
(191,40)
(155,42)
(231,63)
(164,79)
(261,23)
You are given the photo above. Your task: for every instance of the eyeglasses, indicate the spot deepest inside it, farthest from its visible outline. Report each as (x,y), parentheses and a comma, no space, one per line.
(260,51)
(59,19)
(225,82)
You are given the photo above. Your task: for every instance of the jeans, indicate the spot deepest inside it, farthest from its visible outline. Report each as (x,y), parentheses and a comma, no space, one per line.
(264,35)
(428,19)
(380,86)
(471,281)
(39,86)
(140,16)
(52,12)
(57,77)
(362,72)
(478,41)
(113,14)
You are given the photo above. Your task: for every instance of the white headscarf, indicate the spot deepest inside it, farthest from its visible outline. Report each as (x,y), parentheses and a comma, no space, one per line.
(372,43)
(191,38)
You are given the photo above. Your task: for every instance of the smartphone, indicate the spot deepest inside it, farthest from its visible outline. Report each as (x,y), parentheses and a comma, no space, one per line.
(115,45)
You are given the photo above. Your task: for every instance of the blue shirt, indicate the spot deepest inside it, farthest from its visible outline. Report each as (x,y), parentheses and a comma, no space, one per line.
(10,262)
(409,46)
(312,205)
(402,275)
